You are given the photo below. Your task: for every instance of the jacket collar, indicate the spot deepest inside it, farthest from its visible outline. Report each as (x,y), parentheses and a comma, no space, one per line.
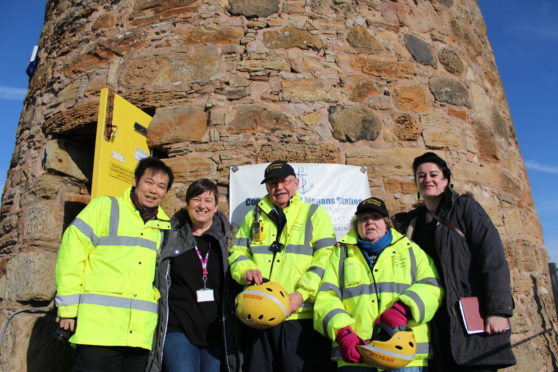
(351,237)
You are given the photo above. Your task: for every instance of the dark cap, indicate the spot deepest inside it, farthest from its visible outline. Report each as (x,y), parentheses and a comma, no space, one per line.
(372,205)
(278,169)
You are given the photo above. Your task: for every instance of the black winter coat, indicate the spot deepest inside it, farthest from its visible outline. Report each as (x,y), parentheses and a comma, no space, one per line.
(177,241)
(475,266)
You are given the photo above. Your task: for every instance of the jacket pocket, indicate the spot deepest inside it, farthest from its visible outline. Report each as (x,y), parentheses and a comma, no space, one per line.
(354,273)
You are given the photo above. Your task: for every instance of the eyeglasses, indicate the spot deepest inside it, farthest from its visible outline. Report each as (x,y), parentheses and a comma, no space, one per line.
(367,217)
(276,182)
(198,200)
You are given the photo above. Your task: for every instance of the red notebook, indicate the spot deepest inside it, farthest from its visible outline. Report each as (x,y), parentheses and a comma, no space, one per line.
(470,312)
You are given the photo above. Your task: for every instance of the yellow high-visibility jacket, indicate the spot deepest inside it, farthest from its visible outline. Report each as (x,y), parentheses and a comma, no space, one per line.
(105,270)
(353,295)
(308,238)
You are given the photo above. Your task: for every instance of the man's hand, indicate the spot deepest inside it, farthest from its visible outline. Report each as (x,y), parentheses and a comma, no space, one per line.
(496,324)
(67,323)
(295,299)
(253,277)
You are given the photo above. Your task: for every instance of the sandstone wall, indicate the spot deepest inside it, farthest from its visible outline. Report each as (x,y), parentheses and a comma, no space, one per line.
(361,82)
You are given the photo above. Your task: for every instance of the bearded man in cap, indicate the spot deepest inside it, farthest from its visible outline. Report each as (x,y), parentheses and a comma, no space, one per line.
(287,241)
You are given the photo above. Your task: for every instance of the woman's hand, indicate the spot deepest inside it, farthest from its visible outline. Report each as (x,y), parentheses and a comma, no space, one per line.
(494,324)
(253,277)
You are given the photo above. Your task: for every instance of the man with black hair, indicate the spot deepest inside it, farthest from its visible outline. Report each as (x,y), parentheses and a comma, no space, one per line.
(105,270)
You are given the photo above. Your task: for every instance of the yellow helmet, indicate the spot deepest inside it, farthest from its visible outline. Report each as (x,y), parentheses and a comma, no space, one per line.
(263,306)
(390,348)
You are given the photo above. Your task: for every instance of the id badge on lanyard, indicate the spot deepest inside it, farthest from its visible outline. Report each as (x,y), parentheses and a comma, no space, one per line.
(204,294)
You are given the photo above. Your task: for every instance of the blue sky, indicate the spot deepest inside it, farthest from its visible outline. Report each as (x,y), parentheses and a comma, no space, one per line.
(524,39)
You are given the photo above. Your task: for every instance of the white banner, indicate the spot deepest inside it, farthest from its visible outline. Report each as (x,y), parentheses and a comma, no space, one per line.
(338,188)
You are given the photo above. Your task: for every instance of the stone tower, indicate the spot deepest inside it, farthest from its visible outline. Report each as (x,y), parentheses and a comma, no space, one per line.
(361,82)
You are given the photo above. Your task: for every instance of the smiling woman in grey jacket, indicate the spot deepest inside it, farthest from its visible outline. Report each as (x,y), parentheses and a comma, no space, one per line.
(197,327)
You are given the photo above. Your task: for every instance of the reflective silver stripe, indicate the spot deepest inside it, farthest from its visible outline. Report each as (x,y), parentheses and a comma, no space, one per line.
(67,300)
(121,302)
(260,249)
(366,289)
(413,265)
(86,230)
(330,287)
(390,353)
(418,301)
(317,270)
(434,281)
(243,242)
(322,243)
(330,316)
(239,259)
(114,216)
(299,249)
(309,230)
(423,347)
(269,297)
(128,241)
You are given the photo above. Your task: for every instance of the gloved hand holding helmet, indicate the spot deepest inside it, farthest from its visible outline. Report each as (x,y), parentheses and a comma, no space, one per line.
(263,306)
(348,340)
(390,348)
(397,315)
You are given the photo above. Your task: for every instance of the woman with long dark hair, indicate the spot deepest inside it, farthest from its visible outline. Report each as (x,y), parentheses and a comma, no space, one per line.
(466,247)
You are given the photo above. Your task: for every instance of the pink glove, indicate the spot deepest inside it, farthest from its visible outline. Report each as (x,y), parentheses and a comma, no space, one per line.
(348,340)
(395,315)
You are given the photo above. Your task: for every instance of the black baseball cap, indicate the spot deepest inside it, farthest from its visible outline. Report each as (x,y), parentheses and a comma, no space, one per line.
(372,205)
(278,169)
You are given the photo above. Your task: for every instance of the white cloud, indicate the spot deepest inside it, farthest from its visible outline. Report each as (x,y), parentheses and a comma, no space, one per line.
(533,165)
(12,94)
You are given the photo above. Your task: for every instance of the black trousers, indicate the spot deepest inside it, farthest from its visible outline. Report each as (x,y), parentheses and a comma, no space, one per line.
(291,346)
(90,358)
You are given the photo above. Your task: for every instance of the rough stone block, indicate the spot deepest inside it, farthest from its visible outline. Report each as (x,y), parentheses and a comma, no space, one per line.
(383,67)
(306,90)
(300,153)
(359,88)
(354,123)
(254,8)
(451,61)
(411,97)
(191,167)
(420,50)
(222,35)
(487,147)
(290,37)
(177,124)
(361,38)
(450,91)
(65,157)
(43,222)
(252,118)
(394,161)
(440,131)
(158,72)
(406,127)
(30,277)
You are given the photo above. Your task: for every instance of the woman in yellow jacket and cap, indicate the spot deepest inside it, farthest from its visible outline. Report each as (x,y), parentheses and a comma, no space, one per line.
(376,275)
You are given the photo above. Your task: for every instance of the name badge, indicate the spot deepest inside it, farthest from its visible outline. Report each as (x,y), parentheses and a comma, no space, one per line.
(205,295)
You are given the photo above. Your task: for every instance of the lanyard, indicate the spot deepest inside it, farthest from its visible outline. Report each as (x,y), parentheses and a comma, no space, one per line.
(203,261)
